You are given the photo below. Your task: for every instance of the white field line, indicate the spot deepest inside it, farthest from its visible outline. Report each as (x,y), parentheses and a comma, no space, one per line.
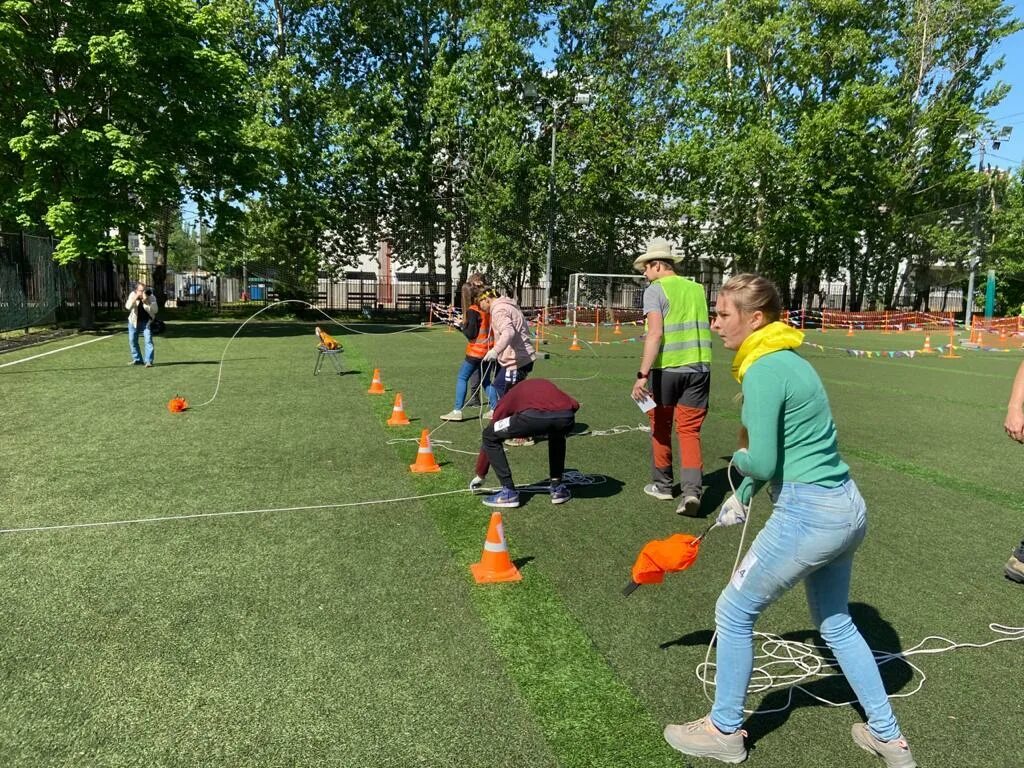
(55,351)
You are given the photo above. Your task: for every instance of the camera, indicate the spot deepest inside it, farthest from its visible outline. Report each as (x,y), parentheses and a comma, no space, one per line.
(148,291)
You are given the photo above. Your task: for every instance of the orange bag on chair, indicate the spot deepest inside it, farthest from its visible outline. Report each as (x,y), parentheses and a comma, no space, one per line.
(327,341)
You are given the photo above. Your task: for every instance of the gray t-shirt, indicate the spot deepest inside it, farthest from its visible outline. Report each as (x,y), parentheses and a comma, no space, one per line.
(655,300)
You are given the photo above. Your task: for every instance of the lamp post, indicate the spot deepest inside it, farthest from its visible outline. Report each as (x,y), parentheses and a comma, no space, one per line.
(995,138)
(531,94)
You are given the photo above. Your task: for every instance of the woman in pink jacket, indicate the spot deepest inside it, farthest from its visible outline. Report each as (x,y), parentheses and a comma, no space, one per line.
(512,348)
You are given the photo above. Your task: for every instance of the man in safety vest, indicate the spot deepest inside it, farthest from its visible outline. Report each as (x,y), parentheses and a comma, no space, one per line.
(676,371)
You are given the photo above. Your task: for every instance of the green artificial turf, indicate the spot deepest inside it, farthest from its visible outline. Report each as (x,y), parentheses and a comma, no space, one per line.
(355,636)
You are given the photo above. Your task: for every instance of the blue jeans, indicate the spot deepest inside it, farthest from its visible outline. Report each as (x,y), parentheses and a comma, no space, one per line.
(133,343)
(811,536)
(465,371)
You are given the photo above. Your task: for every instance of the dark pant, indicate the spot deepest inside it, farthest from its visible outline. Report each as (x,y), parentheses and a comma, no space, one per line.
(555,427)
(507,378)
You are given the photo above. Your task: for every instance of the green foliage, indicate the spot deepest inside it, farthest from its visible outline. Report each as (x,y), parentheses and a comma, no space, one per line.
(803,139)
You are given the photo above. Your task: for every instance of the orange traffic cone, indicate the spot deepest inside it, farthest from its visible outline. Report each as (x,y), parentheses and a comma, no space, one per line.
(850,332)
(618,329)
(425,461)
(398,417)
(376,386)
(575,346)
(495,565)
(927,349)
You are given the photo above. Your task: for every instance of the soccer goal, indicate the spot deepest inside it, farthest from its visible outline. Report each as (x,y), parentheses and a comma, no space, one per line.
(617,297)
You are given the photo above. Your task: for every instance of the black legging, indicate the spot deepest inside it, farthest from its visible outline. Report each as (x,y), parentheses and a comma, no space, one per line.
(555,427)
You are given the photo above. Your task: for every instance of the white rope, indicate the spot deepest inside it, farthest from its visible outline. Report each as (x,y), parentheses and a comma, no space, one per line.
(220,367)
(171,518)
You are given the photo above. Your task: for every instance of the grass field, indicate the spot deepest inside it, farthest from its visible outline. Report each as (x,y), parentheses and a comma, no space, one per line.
(354,635)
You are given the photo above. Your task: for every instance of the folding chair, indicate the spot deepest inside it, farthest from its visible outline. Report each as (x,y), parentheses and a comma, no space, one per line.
(329,348)
(334,355)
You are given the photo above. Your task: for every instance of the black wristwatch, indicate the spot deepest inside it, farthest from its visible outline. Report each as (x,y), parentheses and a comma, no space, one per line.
(642,375)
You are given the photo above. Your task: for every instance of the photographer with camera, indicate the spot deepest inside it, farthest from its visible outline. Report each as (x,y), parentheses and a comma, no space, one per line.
(143,306)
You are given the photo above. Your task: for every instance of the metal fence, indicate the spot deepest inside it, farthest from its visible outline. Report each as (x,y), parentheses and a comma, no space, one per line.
(31,284)
(36,291)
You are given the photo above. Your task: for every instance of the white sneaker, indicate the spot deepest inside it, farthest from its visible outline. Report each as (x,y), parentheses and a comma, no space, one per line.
(455,415)
(689,506)
(489,414)
(653,490)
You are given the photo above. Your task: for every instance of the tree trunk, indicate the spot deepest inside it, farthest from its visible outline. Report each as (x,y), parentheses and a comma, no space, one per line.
(83,285)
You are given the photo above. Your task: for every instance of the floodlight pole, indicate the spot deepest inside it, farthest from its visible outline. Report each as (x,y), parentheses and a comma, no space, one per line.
(551,213)
(979,243)
(530,92)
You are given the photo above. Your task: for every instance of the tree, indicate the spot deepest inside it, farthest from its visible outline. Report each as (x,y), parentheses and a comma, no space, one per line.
(118,104)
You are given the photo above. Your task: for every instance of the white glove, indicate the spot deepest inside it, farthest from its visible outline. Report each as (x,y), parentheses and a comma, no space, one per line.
(476,483)
(492,354)
(732,512)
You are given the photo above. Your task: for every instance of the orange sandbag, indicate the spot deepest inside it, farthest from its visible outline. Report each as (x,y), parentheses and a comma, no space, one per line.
(661,556)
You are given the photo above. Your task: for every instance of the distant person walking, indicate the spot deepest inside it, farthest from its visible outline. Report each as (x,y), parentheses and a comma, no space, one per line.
(675,369)
(144,308)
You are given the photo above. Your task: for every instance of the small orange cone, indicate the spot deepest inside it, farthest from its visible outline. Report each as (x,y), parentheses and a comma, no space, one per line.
(927,349)
(398,417)
(425,461)
(850,332)
(618,329)
(495,565)
(575,346)
(376,386)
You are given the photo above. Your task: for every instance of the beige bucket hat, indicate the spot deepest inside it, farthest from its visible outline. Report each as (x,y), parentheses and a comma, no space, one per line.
(658,249)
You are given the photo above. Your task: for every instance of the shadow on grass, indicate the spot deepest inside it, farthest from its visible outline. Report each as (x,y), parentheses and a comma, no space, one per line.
(127,366)
(521,562)
(274,329)
(879,635)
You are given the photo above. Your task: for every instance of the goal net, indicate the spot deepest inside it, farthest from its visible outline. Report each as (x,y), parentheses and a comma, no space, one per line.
(605,298)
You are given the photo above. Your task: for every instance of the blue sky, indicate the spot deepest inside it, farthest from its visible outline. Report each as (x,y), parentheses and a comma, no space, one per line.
(1011,111)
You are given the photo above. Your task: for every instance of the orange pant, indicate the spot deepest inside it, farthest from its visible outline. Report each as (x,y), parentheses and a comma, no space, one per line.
(688,422)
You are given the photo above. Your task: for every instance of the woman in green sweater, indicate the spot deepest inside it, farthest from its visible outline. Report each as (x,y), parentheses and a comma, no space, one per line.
(818,521)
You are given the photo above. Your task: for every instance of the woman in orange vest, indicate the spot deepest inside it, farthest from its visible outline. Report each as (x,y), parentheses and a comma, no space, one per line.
(477,328)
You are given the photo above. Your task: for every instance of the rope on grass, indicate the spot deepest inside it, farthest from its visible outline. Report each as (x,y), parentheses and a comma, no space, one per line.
(198,515)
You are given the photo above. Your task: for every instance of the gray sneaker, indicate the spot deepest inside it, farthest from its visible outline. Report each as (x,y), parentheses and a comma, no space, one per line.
(455,415)
(702,739)
(689,506)
(895,753)
(1014,569)
(651,489)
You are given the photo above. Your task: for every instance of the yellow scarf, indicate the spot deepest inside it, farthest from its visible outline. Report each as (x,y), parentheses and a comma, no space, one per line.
(764,341)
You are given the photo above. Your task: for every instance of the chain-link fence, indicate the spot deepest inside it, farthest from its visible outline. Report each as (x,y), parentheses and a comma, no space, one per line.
(31,284)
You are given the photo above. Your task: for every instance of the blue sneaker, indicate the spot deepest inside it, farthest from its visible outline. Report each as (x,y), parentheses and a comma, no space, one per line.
(560,494)
(506,497)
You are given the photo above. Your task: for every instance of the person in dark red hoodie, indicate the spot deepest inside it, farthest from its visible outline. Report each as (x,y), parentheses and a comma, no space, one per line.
(532,408)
